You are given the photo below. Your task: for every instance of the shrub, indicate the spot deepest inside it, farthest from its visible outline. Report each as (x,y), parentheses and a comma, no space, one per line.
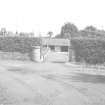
(18,44)
(91,51)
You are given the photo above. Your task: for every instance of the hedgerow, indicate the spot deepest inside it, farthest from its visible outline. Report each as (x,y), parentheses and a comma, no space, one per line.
(91,51)
(18,44)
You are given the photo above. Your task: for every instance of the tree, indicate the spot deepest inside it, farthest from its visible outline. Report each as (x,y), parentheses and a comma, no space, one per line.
(90,28)
(68,30)
(91,31)
(50,33)
(3,31)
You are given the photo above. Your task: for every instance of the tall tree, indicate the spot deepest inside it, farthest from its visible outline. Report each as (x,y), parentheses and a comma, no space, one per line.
(68,30)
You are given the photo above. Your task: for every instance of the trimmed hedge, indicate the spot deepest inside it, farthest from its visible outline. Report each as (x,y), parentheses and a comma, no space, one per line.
(18,44)
(91,51)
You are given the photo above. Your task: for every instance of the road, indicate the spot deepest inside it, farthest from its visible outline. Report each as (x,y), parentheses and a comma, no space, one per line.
(27,83)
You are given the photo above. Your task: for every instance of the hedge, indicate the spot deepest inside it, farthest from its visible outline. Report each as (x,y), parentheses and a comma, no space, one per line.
(91,51)
(18,44)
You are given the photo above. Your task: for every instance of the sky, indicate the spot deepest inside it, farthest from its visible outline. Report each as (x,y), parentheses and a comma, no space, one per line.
(42,16)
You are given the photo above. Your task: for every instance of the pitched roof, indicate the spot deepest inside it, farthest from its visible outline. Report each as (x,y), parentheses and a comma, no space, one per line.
(55,42)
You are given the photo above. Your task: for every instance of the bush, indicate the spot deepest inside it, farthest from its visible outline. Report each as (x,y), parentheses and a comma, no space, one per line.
(90,51)
(18,44)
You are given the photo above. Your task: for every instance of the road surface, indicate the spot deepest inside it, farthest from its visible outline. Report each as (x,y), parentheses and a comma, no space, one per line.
(27,83)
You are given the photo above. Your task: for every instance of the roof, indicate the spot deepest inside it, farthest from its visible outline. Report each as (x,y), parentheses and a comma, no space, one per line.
(55,42)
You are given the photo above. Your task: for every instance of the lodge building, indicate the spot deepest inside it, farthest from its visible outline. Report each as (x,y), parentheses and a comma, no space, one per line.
(57,45)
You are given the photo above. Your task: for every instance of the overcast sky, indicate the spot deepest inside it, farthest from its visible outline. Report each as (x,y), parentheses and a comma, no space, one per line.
(49,15)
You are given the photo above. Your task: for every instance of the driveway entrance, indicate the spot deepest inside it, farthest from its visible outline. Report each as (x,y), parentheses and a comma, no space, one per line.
(57,57)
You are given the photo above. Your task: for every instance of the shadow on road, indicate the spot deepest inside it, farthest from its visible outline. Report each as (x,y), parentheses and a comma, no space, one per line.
(78,77)
(88,78)
(58,62)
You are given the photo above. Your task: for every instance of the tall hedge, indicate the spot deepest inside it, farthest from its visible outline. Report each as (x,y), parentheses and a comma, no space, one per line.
(18,44)
(91,51)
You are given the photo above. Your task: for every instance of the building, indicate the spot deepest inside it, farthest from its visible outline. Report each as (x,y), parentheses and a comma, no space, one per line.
(55,44)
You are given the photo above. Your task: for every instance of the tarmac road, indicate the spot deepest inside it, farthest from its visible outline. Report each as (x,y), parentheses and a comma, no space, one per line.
(26,83)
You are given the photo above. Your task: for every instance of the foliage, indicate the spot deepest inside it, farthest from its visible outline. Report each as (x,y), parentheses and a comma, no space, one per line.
(90,28)
(50,33)
(68,30)
(92,32)
(88,44)
(18,44)
(89,51)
